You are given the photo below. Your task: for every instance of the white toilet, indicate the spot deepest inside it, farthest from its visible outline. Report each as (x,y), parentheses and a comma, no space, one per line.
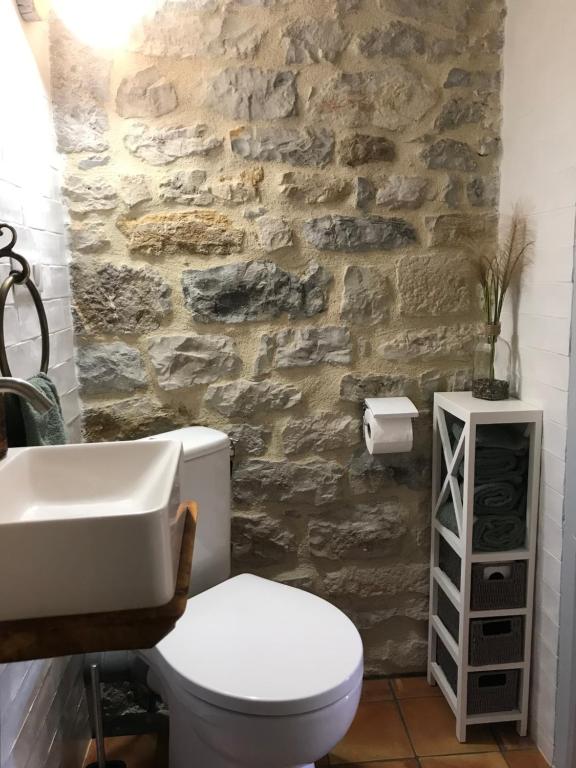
(256,674)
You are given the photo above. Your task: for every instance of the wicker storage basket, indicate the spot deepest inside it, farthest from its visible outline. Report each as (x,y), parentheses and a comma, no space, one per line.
(493,691)
(498,586)
(496,641)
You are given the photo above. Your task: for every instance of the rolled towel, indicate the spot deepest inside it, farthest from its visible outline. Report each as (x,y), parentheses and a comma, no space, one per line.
(446,516)
(498,498)
(508,437)
(498,533)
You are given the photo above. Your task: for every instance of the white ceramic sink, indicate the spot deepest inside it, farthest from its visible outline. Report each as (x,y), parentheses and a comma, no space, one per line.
(88,528)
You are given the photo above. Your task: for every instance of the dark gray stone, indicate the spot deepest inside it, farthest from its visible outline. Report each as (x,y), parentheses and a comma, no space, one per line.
(347,233)
(249,439)
(247,93)
(315,482)
(373,533)
(110,368)
(483,191)
(452,14)
(284,145)
(163,146)
(356,387)
(320,432)
(465,78)
(360,148)
(367,296)
(184,361)
(244,398)
(450,155)
(397,39)
(378,473)
(258,540)
(451,192)
(146,94)
(364,192)
(310,40)
(113,299)
(378,581)
(459,112)
(253,290)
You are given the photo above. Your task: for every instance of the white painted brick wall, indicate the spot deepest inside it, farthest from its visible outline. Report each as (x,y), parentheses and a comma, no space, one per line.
(43,714)
(539,170)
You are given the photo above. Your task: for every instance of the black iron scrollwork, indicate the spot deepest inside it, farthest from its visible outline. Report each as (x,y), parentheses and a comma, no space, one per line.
(20,277)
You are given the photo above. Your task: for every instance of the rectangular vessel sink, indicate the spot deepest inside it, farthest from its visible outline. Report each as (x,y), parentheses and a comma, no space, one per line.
(88,528)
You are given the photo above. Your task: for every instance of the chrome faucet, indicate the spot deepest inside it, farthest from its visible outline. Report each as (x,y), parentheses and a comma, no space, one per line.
(22,388)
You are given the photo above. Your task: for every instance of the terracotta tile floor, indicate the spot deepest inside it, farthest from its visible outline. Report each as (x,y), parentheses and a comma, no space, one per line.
(402,723)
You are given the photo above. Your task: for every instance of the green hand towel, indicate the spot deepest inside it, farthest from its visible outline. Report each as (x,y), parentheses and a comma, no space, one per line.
(43,428)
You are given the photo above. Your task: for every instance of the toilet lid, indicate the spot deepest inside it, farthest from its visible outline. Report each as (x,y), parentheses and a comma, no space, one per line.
(255,646)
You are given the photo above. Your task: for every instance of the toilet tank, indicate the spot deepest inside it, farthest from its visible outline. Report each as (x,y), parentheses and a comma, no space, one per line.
(205,479)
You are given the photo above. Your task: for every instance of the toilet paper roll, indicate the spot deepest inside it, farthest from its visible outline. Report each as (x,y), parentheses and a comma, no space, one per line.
(386,435)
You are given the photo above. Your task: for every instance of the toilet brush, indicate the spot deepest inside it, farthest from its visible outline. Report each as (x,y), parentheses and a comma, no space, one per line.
(101,761)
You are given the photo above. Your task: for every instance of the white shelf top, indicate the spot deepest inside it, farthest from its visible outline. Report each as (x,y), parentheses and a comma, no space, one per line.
(464,403)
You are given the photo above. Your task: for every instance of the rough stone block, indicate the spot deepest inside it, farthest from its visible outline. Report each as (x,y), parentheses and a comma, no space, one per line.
(303,347)
(242,398)
(456,229)
(361,148)
(433,285)
(373,534)
(398,39)
(206,232)
(366,298)
(397,192)
(184,361)
(314,188)
(315,482)
(450,155)
(458,112)
(247,93)
(392,99)
(146,94)
(320,432)
(309,41)
(284,145)
(258,539)
(274,233)
(134,190)
(119,300)
(110,368)
(163,146)
(253,290)
(249,439)
(130,419)
(443,341)
(86,196)
(347,233)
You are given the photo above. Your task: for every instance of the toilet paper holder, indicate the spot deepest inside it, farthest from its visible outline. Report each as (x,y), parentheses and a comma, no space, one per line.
(387,424)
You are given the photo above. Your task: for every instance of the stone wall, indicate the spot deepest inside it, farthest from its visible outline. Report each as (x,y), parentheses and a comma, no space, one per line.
(269,211)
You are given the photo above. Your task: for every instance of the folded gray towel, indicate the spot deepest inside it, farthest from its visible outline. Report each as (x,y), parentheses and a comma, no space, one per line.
(508,437)
(446,515)
(43,428)
(497,533)
(498,498)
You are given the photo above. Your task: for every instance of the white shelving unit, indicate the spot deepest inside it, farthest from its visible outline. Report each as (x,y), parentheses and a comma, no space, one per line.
(458,486)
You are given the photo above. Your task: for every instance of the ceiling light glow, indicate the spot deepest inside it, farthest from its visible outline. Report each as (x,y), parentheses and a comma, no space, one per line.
(105,24)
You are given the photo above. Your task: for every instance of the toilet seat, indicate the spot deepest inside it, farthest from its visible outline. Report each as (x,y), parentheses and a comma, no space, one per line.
(253,646)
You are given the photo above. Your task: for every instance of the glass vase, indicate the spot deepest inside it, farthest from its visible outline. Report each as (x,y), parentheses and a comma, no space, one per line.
(492,356)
